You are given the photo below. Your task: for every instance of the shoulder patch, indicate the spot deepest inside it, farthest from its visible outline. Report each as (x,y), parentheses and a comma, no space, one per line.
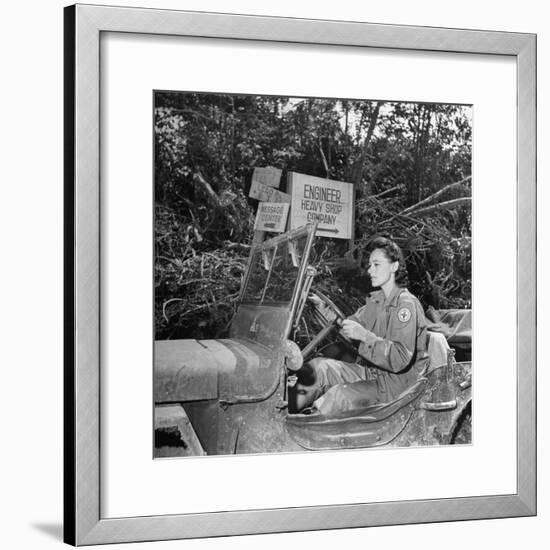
(404,314)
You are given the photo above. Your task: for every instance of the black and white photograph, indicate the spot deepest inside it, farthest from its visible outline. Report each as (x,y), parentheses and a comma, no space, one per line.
(259,261)
(312,274)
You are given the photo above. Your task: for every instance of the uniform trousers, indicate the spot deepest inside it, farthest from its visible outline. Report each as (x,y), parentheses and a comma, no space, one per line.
(342,386)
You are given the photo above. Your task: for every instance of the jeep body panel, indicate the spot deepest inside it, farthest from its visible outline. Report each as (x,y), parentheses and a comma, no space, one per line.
(417,417)
(192,370)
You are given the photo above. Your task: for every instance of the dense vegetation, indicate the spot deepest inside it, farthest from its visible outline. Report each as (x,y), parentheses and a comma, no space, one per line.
(410,164)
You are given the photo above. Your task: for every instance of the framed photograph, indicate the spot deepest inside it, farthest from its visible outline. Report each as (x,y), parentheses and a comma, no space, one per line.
(243,351)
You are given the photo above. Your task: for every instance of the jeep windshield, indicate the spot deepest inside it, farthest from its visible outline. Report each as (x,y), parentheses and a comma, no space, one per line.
(276,267)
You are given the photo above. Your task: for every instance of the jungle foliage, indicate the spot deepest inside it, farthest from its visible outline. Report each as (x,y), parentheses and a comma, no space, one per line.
(410,164)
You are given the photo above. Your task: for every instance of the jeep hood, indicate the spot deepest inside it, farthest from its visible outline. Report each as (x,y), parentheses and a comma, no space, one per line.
(225,369)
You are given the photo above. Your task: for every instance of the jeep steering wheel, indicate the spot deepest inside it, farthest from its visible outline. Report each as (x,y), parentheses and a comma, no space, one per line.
(338,316)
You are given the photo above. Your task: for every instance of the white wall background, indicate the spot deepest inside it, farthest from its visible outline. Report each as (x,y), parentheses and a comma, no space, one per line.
(31,280)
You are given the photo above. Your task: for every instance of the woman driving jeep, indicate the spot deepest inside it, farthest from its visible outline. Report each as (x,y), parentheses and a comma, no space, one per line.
(392,333)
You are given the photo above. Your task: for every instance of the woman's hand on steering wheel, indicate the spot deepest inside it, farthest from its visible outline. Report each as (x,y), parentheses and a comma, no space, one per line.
(331,312)
(352,330)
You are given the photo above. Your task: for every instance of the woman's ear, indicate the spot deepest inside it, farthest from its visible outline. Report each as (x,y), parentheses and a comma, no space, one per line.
(394,267)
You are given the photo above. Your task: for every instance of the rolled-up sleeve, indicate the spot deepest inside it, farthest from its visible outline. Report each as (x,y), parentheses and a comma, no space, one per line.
(395,352)
(359,316)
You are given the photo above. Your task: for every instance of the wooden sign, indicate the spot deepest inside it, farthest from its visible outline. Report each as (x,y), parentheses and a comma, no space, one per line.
(328,202)
(265,193)
(267,176)
(271,216)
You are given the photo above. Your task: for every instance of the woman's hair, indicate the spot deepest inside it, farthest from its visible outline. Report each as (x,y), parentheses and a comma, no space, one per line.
(394,254)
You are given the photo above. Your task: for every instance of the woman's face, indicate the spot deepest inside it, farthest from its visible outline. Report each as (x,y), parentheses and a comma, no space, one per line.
(381,269)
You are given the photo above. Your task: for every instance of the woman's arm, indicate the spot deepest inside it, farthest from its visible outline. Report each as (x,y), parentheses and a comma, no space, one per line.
(395,351)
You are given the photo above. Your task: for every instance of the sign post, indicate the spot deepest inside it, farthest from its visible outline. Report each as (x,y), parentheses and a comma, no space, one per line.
(328,202)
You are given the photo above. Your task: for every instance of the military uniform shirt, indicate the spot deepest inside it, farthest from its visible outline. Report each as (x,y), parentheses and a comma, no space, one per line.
(398,343)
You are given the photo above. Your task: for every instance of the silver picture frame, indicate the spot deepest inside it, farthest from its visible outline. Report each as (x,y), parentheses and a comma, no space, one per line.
(83,524)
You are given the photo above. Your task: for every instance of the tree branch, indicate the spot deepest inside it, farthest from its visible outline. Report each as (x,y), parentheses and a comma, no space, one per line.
(198,178)
(447,205)
(358,168)
(386,192)
(325,163)
(452,186)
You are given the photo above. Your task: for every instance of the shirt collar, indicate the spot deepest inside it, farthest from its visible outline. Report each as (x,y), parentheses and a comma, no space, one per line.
(379,297)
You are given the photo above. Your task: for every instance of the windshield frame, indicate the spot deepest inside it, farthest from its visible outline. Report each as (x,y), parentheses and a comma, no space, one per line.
(274,245)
